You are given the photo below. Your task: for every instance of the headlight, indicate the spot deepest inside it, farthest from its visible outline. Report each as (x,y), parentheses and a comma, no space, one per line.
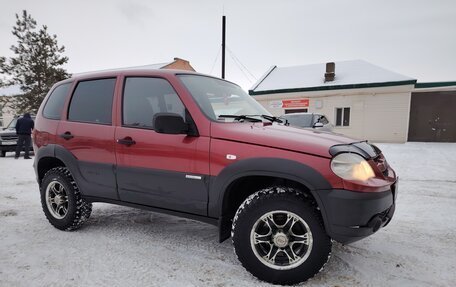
(351,166)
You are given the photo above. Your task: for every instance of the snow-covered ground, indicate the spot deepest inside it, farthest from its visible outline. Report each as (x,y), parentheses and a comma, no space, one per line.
(120,246)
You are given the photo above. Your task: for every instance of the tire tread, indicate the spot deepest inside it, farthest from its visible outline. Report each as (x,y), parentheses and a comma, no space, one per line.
(83,208)
(277,192)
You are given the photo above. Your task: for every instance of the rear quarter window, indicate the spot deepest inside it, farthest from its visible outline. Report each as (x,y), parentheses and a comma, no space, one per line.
(55,102)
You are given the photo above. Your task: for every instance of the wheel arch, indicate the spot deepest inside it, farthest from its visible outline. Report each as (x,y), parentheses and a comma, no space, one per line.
(241,179)
(45,164)
(53,155)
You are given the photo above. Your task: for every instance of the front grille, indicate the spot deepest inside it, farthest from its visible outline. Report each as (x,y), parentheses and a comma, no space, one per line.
(10,138)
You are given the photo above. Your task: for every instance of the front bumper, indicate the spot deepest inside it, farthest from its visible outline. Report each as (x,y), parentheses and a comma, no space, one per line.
(351,216)
(9,147)
(12,148)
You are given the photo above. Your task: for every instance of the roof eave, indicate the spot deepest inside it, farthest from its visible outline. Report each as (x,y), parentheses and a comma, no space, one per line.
(434,85)
(268,72)
(334,87)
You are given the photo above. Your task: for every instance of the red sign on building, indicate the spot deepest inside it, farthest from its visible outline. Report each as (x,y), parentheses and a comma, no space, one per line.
(298,103)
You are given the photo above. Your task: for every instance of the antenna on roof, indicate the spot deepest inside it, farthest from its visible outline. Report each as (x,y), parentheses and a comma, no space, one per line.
(223,45)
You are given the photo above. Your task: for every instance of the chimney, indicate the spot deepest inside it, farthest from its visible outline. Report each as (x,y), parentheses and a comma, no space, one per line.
(330,72)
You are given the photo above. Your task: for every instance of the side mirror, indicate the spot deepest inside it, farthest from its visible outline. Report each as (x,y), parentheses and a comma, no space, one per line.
(169,123)
(318,125)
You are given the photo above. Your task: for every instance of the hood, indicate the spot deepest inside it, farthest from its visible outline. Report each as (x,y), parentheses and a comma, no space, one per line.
(279,136)
(8,132)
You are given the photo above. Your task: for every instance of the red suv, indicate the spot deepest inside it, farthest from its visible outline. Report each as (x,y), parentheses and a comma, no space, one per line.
(199,147)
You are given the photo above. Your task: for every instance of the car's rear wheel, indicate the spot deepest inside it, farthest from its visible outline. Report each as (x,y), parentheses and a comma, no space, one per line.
(2,153)
(278,236)
(61,200)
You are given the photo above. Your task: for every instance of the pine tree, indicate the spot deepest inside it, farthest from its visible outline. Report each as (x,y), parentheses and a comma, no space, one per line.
(36,66)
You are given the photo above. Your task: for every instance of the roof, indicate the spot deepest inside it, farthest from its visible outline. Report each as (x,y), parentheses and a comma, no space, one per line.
(135,68)
(349,75)
(128,73)
(159,66)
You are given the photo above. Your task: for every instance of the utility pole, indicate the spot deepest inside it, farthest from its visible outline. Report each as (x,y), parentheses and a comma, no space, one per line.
(223,45)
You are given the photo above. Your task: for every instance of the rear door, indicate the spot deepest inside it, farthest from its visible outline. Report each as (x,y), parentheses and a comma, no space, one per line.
(87,137)
(154,169)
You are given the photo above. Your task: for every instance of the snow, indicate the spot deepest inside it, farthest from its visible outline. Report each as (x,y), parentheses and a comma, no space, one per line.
(120,246)
(308,76)
(11,91)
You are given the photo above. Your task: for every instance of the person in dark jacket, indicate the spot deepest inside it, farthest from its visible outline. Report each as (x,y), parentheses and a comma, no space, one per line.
(24,127)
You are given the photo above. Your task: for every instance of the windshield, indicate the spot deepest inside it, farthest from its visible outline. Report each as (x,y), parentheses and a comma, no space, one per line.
(12,124)
(217,97)
(299,120)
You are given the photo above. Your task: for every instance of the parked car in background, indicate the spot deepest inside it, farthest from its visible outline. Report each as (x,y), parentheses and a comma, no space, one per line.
(308,120)
(8,137)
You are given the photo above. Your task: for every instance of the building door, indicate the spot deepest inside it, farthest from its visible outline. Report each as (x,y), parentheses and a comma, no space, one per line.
(432,117)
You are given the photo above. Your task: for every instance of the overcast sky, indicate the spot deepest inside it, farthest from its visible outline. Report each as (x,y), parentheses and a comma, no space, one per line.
(414,38)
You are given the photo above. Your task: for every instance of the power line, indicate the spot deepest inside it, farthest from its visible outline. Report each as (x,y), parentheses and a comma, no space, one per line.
(216,58)
(238,62)
(240,68)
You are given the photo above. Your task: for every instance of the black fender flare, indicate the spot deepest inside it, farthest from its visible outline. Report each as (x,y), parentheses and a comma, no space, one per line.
(273,167)
(42,152)
(102,184)
(60,153)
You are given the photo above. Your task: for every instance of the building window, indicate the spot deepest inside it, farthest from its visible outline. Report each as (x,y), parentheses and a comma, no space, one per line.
(293,111)
(342,117)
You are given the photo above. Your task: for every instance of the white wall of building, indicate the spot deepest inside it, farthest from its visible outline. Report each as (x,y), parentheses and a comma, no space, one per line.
(6,113)
(377,114)
(6,116)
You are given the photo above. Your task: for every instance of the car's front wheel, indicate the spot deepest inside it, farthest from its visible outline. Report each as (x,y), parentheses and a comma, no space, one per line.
(61,200)
(278,236)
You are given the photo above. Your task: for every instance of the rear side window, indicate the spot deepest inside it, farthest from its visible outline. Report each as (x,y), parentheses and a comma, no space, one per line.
(299,120)
(92,102)
(144,97)
(321,119)
(54,105)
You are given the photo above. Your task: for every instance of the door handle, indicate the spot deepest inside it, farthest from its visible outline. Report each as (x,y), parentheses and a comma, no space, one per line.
(128,141)
(67,135)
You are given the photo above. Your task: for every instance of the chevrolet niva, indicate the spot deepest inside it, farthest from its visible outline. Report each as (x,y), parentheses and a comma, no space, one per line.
(199,147)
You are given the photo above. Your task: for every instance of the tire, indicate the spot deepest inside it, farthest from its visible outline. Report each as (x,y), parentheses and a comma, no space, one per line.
(2,153)
(61,200)
(279,237)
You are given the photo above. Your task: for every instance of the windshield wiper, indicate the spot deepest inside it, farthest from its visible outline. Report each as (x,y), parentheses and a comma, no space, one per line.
(272,118)
(241,117)
(251,118)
